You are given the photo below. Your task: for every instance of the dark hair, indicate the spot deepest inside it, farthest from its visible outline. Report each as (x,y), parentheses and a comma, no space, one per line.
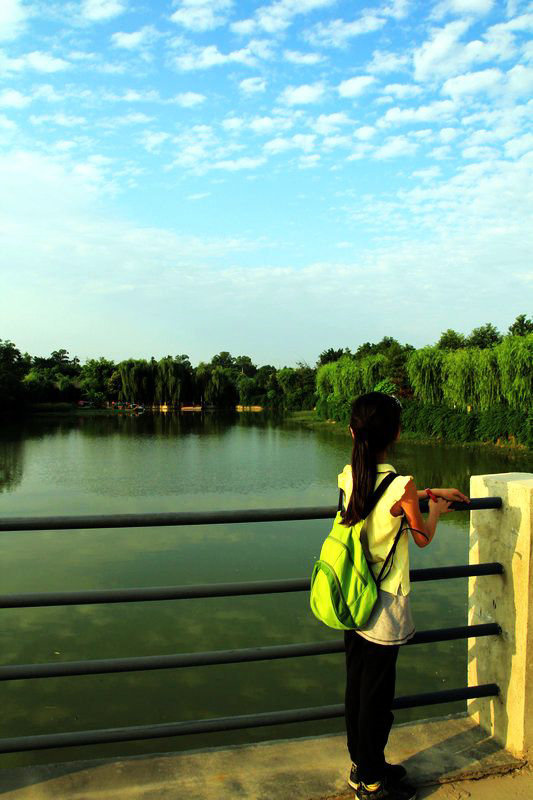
(375,423)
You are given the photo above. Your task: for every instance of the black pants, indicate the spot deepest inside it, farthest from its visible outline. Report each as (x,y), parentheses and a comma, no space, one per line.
(370,682)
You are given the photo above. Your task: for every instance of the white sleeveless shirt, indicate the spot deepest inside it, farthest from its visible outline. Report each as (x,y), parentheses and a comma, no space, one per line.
(381,528)
(391,621)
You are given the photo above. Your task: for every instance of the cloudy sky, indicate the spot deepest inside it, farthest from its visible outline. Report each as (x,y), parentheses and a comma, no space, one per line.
(270,178)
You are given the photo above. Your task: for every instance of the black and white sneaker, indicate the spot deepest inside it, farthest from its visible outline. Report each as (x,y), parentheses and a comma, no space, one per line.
(394,773)
(384,790)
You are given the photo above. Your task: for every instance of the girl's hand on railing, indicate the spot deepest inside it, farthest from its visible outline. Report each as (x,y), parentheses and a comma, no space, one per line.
(451,495)
(437,507)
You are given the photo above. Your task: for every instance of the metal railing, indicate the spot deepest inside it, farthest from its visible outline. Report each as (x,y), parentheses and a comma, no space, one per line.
(210,658)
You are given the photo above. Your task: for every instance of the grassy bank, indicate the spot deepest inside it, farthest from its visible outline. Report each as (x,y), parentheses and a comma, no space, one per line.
(310,419)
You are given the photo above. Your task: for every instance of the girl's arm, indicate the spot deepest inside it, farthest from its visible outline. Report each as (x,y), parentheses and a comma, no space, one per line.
(447,494)
(409,504)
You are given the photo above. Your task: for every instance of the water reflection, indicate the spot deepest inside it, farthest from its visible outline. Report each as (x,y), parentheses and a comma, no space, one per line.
(105,463)
(11,460)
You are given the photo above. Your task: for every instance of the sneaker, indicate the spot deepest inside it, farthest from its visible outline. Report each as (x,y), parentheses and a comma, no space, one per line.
(394,773)
(385,791)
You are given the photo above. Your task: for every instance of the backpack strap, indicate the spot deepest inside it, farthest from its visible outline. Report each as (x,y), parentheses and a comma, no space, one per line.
(390,555)
(378,493)
(370,505)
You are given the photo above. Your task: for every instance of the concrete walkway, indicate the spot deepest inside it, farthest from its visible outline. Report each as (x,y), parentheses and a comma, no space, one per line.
(449,759)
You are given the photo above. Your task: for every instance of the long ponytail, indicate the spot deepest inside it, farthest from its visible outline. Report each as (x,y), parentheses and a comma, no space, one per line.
(374,422)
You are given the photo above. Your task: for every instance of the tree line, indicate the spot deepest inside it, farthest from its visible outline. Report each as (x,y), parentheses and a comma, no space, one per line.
(484,368)
(223,382)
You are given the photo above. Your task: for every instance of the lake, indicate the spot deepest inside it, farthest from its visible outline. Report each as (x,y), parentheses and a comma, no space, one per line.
(102,464)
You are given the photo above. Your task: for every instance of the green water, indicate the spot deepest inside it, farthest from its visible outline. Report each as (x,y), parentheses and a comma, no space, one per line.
(109,464)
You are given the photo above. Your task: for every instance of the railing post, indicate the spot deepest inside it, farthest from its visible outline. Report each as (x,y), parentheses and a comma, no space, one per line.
(505,536)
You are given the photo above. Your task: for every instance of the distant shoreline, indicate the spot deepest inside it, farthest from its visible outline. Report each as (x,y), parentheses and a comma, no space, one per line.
(310,420)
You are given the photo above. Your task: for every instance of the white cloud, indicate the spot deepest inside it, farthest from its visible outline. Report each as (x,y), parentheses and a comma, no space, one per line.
(306,162)
(302,95)
(305,142)
(36,60)
(463,7)
(132,41)
(401,91)
(98,10)
(210,56)
(433,112)
(44,62)
(133,118)
(233,124)
(11,98)
(268,125)
(338,32)
(447,135)
(13,15)
(243,27)
(397,9)
(428,174)
(395,147)
(152,140)
(190,99)
(252,85)
(444,55)
(520,145)
(365,132)
(201,15)
(6,123)
(520,80)
(326,124)
(472,83)
(308,59)
(383,62)
(353,87)
(245,162)
(277,16)
(64,120)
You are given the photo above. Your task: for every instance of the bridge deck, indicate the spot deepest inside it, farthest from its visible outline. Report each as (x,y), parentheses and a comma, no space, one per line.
(436,751)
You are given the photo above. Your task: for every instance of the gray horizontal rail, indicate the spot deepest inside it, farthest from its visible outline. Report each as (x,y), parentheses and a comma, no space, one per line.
(91,521)
(152,593)
(211,658)
(139,732)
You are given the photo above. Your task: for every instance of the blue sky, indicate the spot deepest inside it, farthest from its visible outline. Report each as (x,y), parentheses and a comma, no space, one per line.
(266,178)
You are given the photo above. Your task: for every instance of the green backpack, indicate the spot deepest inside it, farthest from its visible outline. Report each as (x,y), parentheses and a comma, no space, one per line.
(343,588)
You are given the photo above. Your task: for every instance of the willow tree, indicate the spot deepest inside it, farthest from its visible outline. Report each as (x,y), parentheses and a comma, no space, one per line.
(515,357)
(459,378)
(373,370)
(488,381)
(173,380)
(137,380)
(424,368)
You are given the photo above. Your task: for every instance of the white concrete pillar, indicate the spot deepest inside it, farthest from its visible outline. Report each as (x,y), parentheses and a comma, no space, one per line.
(506,536)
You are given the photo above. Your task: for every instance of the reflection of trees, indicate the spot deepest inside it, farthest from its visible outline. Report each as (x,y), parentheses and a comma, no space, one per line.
(11,462)
(153,424)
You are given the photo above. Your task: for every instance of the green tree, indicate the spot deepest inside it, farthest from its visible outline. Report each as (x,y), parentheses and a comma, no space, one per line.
(330,355)
(223,359)
(451,340)
(95,377)
(247,389)
(298,386)
(245,366)
(521,326)
(12,369)
(221,391)
(484,336)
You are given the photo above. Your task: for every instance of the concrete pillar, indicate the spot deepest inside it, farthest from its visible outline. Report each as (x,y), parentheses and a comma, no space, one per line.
(506,536)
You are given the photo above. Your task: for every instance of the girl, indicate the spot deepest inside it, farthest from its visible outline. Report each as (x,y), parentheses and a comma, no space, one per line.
(372,650)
